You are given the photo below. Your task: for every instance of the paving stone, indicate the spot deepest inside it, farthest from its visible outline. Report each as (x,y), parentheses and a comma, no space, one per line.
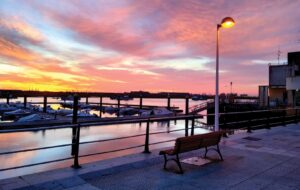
(83,187)
(30,188)
(51,185)
(290,181)
(277,186)
(32,179)
(256,182)
(71,182)
(14,185)
(179,187)
(10,180)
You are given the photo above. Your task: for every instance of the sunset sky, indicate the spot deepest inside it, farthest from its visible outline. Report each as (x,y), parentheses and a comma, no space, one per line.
(150,45)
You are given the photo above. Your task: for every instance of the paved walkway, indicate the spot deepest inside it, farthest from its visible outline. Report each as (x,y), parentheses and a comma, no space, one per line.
(269,159)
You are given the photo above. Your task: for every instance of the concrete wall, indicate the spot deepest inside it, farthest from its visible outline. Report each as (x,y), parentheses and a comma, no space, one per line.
(294,60)
(297,98)
(277,96)
(278,74)
(263,95)
(293,83)
(291,95)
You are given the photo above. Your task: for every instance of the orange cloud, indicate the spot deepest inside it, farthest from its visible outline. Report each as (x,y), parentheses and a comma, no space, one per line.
(13,51)
(18,25)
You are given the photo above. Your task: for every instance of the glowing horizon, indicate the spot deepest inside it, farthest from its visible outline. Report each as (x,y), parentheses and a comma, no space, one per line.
(153,46)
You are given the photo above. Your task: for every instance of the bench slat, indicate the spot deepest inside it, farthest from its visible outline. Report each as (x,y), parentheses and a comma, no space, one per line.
(185,144)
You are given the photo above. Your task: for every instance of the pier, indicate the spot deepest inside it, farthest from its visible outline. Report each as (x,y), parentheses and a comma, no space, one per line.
(8,94)
(119,98)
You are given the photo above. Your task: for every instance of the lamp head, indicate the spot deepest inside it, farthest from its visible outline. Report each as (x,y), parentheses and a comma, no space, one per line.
(227,22)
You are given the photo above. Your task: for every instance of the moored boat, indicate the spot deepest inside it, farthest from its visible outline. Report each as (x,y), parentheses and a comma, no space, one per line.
(12,115)
(32,117)
(157,112)
(64,111)
(6,108)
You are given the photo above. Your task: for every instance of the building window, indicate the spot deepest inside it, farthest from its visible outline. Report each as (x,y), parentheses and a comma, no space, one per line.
(297,98)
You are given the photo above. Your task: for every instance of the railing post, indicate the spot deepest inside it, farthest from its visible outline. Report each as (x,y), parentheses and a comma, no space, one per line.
(119,102)
(193,126)
(186,127)
(296,115)
(283,119)
(146,149)
(73,141)
(87,100)
(45,104)
(187,105)
(25,102)
(268,120)
(141,101)
(224,124)
(175,120)
(7,99)
(76,148)
(169,102)
(100,105)
(75,109)
(224,121)
(298,118)
(249,126)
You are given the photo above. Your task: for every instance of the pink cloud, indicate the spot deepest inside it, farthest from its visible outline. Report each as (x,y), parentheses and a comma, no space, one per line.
(151,32)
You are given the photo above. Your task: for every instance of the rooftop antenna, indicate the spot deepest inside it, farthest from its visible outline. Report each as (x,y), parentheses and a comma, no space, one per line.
(278,55)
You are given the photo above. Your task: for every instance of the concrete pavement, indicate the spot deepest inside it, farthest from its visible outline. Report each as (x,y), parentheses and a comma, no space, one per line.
(264,159)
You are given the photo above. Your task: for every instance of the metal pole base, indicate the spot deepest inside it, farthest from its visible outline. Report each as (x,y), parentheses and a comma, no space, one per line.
(146,152)
(225,135)
(76,166)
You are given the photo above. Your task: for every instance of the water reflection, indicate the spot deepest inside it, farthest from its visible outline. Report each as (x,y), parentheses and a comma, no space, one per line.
(24,140)
(16,141)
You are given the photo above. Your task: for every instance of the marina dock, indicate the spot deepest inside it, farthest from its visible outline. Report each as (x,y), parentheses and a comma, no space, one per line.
(119,98)
(64,121)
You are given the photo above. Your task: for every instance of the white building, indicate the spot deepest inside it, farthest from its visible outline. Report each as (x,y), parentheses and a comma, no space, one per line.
(284,82)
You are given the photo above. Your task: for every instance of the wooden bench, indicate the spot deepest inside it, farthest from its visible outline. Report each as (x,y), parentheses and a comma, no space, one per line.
(195,142)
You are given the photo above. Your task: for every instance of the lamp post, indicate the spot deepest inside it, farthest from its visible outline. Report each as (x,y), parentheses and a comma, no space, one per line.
(227,22)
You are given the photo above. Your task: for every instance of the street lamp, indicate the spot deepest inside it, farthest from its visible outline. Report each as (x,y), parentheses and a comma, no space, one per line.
(227,22)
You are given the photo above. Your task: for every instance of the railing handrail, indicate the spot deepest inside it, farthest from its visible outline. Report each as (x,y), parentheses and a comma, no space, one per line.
(93,141)
(147,134)
(137,120)
(254,111)
(86,142)
(111,122)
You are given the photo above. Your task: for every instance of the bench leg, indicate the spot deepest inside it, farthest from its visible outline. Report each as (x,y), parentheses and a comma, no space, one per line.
(205,152)
(178,163)
(216,149)
(219,152)
(177,160)
(165,164)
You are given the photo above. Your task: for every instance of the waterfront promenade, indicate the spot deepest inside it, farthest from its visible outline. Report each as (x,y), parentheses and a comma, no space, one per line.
(270,159)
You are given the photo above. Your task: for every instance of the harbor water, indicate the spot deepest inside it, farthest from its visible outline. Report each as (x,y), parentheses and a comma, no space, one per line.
(42,138)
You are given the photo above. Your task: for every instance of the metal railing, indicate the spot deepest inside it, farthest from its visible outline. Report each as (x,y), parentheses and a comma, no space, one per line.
(248,124)
(271,117)
(76,139)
